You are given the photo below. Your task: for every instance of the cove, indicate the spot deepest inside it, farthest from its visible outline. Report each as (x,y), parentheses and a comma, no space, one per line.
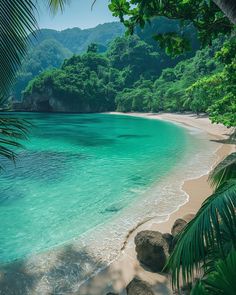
(79,171)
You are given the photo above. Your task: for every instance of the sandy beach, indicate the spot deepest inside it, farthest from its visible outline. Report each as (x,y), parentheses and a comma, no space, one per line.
(115,277)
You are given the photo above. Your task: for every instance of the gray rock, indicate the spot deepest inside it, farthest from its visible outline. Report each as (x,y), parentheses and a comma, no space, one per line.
(139,287)
(152,249)
(178,226)
(169,239)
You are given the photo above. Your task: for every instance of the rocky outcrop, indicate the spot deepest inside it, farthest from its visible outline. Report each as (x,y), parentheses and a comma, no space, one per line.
(48,103)
(152,249)
(139,287)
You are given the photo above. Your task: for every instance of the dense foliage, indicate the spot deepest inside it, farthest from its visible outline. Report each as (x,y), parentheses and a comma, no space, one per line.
(206,17)
(51,48)
(133,76)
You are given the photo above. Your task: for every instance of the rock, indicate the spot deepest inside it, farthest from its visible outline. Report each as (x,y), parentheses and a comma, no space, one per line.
(178,226)
(138,287)
(169,239)
(152,249)
(110,293)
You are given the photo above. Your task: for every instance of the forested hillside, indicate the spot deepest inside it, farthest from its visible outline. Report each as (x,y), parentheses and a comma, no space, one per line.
(133,76)
(77,40)
(51,48)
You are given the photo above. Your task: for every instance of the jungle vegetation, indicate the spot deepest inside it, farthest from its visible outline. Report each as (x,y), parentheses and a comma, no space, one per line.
(132,75)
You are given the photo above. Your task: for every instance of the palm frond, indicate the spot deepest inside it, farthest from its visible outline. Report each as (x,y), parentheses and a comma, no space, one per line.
(198,288)
(12,131)
(222,280)
(204,232)
(56,5)
(17,20)
(224,171)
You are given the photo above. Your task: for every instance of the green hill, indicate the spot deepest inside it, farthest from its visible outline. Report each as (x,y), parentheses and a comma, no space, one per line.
(52,47)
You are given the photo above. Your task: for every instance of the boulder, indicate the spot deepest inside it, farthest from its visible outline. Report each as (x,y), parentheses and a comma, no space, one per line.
(152,249)
(178,226)
(169,239)
(139,287)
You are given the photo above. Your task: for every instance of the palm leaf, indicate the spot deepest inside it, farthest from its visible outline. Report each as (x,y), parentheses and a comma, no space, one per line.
(222,280)
(204,232)
(17,20)
(56,5)
(224,171)
(12,131)
(199,288)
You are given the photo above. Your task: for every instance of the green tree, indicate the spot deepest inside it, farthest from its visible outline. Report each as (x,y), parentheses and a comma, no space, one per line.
(93,47)
(48,54)
(207,17)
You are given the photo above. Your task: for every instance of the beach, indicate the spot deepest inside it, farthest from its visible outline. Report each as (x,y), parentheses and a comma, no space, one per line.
(119,273)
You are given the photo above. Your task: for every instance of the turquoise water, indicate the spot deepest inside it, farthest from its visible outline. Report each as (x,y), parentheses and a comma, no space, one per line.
(79,171)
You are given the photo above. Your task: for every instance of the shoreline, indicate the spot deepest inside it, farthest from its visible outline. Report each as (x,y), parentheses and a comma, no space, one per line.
(120,272)
(105,261)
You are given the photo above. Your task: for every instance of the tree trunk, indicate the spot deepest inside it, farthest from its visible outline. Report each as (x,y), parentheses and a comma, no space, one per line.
(228,7)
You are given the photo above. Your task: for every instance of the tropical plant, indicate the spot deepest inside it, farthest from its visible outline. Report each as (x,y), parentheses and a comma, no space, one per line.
(203,240)
(11,131)
(17,21)
(221,280)
(225,170)
(205,254)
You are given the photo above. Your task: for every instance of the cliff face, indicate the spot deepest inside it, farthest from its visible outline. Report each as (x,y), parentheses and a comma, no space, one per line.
(49,103)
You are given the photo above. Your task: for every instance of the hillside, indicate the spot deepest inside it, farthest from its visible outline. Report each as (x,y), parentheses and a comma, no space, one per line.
(77,40)
(52,47)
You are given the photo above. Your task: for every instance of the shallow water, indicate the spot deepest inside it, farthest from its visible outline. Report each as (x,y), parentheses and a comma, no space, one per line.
(80,185)
(79,171)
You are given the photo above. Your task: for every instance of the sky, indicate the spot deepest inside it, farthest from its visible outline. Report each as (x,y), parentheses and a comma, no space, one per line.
(77,14)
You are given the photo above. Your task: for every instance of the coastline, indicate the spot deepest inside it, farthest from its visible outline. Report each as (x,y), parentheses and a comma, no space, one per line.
(120,272)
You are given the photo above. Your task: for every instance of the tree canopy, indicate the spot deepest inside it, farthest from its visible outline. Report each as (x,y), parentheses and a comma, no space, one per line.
(207,18)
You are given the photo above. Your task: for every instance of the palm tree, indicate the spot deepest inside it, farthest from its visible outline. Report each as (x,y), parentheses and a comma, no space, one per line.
(17,22)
